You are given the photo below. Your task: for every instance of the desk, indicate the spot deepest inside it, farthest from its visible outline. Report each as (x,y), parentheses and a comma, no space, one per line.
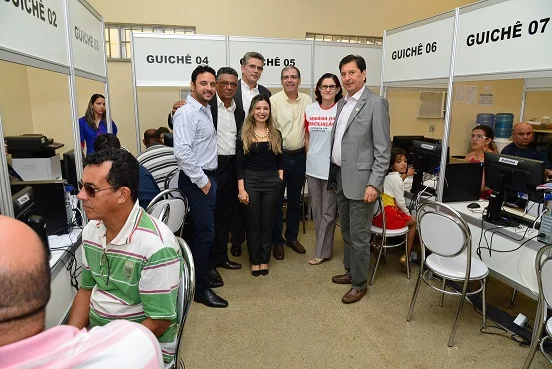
(62,292)
(517,268)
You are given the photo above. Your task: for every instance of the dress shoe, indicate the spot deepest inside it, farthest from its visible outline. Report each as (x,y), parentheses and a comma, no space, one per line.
(342,279)
(211,299)
(278,252)
(214,284)
(229,265)
(296,246)
(214,276)
(235,250)
(354,295)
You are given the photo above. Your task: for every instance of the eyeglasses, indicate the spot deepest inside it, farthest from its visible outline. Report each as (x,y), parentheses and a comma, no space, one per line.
(226,84)
(104,262)
(328,87)
(293,77)
(479,137)
(91,190)
(253,67)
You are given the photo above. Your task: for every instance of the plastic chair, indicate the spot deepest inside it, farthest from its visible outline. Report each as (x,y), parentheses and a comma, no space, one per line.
(170,206)
(443,232)
(543,267)
(185,297)
(383,233)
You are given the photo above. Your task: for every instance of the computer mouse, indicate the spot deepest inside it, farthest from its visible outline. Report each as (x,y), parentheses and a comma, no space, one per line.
(474,205)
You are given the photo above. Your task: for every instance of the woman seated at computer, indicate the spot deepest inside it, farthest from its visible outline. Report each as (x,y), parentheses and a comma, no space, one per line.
(93,123)
(397,215)
(481,142)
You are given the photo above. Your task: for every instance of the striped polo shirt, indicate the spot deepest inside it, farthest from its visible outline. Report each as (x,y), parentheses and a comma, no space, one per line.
(119,344)
(159,160)
(134,277)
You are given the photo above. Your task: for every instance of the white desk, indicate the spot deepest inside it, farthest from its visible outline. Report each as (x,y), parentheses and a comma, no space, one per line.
(62,292)
(516,268)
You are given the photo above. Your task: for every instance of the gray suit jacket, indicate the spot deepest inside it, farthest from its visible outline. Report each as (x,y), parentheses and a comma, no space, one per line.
(366,145)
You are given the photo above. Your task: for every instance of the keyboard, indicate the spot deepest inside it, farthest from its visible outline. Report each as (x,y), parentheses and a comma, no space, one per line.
(63,240)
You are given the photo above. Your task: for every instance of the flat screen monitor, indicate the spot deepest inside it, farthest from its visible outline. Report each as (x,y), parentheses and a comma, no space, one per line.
(405,143)
(23,202)
(70,168)
(426,158)
(504,173)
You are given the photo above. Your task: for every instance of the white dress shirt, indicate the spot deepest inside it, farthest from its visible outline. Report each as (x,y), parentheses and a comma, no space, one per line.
(350,103)
(247,95)
(226,128)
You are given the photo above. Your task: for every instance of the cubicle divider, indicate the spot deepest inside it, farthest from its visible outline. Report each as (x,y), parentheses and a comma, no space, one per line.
(160,60)
(60,36)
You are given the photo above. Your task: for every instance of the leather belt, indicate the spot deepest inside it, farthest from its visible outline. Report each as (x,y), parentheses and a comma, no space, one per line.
(294,152)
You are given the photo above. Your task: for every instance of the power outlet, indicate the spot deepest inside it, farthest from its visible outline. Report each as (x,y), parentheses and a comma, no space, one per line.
(432,128)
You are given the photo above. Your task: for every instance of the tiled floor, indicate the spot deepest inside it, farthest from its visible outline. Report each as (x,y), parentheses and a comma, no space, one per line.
(294,318)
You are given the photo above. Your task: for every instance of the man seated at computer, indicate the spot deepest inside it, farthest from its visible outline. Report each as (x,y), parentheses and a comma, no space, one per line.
(24,343)
(523,146)
(131,261)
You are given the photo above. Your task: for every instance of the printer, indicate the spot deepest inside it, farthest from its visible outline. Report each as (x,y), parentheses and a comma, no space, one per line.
(34,157)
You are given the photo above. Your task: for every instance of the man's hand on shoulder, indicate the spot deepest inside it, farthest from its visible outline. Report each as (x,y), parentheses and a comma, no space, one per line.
(177,105)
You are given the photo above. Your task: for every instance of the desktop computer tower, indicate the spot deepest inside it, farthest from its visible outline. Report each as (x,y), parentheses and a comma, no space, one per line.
(51,202)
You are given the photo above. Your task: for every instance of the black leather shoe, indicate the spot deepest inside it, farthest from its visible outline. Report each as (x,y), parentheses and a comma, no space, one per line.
(278,252)
(235,250)
(229,265)
(214,276)
(215,284)
(209,298)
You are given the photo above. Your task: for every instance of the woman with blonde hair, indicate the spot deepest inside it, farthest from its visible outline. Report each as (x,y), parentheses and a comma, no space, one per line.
(260,171)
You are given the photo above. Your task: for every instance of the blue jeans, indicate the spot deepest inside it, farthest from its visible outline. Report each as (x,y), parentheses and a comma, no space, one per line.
(294,180)
(202,210)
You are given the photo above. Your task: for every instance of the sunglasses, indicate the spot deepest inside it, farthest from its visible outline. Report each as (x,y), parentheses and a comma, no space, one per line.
(91,190)
(104,263)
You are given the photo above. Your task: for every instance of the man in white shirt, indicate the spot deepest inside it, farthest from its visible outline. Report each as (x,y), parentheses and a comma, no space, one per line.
(252,65)
(25,285)
(288,109)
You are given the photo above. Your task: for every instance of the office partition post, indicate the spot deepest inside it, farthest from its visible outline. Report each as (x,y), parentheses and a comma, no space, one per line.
(135,95)
(6,204)
(106,86)
(523,97)
(313,83)
(383,90)
(444,151)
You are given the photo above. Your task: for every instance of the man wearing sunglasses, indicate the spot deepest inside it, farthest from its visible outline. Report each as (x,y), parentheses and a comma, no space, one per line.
(24,342)
(131,261)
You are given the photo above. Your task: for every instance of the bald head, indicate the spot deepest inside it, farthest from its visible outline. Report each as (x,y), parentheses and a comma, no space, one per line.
(152,137)
(522,134)
(24,280)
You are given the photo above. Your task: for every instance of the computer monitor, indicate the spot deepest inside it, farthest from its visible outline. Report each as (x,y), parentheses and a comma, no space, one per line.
(426,158)
(509,173)
(23,202)
(70,168)
(405,143)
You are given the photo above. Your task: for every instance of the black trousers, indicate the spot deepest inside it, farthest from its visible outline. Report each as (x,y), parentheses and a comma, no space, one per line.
(263,189)
(202,210)
(229,215)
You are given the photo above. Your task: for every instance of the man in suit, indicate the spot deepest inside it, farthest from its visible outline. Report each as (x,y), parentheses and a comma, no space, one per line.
(359,158)
(228,120)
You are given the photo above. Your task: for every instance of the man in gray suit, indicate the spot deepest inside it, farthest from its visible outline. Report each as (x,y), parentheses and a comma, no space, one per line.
(360,157)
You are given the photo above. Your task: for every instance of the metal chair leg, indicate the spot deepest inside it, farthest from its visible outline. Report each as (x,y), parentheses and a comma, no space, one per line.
(514,293)
(416,290)
(377,261)
(484,299)
(407,256)
(537,333)
(442,299)
(455,324)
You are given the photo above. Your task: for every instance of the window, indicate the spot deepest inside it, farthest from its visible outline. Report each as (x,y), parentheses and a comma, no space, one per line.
(117,37)
(370,40)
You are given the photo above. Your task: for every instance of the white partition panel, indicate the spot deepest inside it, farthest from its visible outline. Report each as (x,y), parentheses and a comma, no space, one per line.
(169,60)
(278,54)
(34,29)
(538,84)
(86,32)
(419,51)
(327,56)
(504,37)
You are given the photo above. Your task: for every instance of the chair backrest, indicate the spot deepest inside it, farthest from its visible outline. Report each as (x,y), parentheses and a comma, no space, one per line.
(442,230)
(543,267)
(169,206)
(189,261)
(171,180)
